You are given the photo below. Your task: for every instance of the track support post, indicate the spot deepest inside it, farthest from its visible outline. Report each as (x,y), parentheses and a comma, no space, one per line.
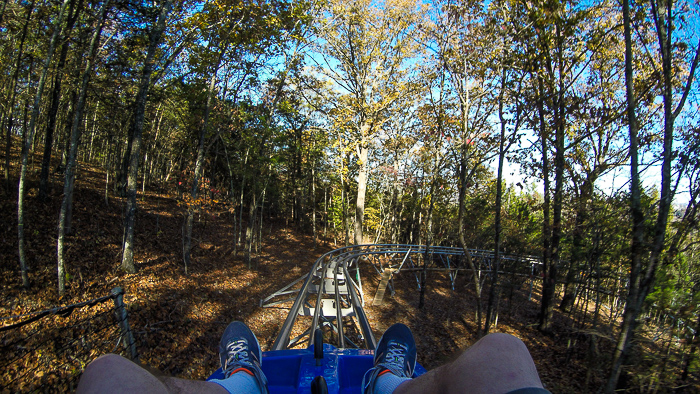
(126,334)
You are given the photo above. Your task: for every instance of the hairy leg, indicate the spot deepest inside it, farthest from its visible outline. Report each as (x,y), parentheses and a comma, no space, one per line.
(115,374)
(496,364)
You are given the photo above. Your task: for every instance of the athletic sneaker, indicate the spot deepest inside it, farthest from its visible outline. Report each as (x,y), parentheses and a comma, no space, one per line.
(395,353)
(239,350)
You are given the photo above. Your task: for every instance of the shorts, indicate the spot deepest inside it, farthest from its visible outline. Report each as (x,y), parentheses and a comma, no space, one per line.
(530,390)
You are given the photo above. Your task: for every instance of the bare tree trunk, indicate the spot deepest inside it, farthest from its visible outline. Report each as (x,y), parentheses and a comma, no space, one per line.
(68,185)
(258,248)
(550,283)
(546,226)
(637,246)
(231,190)
(135,154)
(363,151)
(55,101)
(240,203)
(642,280)
(429,233)
(296,178)
(550,280)
(577,250)
(144,171)
(343,192)
(187,242)
(94,131)
(29,138)
(313,203)
(494,291)
(462,239)
(108,169)
(394,211)
(13,93)
(65,143)
(187,237)
(343,201)
(249,230)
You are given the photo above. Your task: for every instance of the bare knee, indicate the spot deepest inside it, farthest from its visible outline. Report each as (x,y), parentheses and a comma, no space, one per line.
(106,363)
(497,363)
(114,373)
(499,342)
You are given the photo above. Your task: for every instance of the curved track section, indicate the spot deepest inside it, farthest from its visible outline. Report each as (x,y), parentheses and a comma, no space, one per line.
(329,298)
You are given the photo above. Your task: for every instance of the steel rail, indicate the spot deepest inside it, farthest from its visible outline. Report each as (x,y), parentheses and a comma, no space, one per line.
(339,308)
(367,333)
(340,261)
(282,340)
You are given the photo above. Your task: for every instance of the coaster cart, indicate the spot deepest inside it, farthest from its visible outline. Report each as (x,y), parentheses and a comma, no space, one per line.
(334,344)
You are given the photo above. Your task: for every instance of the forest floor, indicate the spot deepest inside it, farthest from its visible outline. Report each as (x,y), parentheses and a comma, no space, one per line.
(178,318)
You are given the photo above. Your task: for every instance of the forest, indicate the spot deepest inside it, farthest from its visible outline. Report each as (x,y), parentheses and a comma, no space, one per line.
(562,129)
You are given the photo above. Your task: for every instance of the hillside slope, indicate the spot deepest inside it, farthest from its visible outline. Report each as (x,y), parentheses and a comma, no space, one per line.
(178,318)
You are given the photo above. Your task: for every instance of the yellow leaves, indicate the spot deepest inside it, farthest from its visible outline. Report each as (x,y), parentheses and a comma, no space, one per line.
(372,219)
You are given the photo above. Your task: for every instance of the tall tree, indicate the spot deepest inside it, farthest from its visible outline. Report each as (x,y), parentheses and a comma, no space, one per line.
(189,221)
(365,49)
(598,143)
(154,39)
(9,114)
(29,139)
(553,55)
(74,11)
(509,125)
(71,163)
(644,263)
(462,46)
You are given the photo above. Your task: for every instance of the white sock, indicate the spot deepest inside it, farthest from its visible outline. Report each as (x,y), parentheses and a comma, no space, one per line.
(387,383)
(239,383)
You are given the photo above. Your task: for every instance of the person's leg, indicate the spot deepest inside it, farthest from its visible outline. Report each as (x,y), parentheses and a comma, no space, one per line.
(496,364)
(394,361)
(115,374)
(241,358)
(239,353)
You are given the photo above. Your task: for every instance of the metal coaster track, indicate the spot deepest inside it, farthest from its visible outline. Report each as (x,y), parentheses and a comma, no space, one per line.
(332,298)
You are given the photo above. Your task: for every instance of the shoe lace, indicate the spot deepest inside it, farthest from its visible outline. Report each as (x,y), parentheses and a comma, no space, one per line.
(393,361)
(395,356)
(237,355)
